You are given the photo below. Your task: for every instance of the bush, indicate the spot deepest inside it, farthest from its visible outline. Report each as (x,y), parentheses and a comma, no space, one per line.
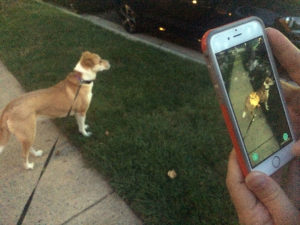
(82,6)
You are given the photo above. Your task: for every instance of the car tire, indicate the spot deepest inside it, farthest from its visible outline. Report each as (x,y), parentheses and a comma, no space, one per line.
(129,18)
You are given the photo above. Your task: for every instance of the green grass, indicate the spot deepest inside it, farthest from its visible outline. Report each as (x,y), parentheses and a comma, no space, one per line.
(160,111)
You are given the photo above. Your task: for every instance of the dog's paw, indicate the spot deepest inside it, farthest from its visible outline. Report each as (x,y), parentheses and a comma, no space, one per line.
(86,134)
(29,166)
(86,126)
(36,153)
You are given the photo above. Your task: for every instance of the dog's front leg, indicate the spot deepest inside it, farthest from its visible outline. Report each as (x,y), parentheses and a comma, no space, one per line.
(81,125)
(266,106)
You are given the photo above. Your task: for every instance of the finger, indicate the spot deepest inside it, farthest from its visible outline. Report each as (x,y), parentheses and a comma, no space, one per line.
(273,197)
(293,182)
(277,176)
(296,148)
(242,198)
(286,52)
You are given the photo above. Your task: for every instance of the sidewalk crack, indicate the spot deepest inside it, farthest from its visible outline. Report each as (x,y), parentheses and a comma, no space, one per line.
(89,207)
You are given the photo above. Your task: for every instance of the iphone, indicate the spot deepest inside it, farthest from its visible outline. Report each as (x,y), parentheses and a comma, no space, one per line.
(245,78)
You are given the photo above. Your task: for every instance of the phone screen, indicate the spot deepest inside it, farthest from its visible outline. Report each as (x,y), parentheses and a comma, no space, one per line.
(255,99)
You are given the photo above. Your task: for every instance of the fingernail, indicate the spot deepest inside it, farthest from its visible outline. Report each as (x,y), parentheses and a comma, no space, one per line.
(256,181)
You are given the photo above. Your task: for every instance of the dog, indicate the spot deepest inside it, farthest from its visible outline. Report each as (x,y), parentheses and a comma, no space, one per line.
(254,99)
(20,116)
(264,92)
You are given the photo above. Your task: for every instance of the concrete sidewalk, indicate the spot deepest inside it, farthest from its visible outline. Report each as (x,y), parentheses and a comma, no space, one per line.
(69,192)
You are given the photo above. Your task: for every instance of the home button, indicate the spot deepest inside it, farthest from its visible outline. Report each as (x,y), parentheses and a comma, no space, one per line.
(276,162)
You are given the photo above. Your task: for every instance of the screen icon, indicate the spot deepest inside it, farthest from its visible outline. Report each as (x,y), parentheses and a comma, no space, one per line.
(255,157)
(285,136)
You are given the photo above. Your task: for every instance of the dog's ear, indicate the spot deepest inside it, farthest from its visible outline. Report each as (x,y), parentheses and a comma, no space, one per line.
(87,60)
(86,53)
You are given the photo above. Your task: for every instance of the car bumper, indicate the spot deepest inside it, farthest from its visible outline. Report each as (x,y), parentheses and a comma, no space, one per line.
(294,36)
(291,28)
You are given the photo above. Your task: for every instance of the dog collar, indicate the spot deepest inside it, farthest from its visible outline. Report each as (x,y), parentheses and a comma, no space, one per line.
(81,81)
(86,81)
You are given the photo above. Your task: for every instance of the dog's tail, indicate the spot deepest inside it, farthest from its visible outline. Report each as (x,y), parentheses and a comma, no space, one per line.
(4,131)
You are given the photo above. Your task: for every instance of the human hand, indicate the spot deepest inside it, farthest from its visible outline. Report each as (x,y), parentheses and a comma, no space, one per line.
(258,199)
(289,57)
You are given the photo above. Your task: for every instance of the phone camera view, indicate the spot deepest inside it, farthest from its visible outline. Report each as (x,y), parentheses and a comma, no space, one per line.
(255,99)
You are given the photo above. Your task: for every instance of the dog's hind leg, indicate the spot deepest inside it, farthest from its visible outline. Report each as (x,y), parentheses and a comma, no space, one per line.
(25,133)
(26,145)
(244,114)
(4,138)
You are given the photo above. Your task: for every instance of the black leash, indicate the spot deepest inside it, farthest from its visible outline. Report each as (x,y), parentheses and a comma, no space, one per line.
(250,124)
(26,207)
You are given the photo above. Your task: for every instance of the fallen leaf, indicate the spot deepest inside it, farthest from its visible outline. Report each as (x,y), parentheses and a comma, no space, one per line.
(172,174)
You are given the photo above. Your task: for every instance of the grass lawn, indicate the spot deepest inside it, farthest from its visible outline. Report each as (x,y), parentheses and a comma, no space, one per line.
(160,112)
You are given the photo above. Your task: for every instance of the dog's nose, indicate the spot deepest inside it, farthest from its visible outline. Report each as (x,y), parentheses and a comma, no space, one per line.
(107,65)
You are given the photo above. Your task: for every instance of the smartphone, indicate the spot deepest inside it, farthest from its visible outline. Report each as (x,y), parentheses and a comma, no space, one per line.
(245,78)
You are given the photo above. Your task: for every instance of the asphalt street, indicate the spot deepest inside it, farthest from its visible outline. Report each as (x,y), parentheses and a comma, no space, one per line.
(166,43)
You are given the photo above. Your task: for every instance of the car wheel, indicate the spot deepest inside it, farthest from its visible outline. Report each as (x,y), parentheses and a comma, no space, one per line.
(128,18)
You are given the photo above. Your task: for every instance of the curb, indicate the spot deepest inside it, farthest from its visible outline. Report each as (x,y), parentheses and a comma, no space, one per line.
(165,46)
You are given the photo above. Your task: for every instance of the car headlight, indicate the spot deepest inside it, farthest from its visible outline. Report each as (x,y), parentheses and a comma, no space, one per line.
(290,23)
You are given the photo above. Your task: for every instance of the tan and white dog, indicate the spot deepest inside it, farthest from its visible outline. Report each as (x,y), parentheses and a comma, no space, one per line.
(254,99)
(20,116)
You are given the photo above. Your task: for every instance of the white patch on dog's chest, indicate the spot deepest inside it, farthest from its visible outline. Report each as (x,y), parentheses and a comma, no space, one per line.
(89,97)
(90,93)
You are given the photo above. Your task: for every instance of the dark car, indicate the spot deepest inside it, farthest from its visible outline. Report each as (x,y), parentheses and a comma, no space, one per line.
(191,18)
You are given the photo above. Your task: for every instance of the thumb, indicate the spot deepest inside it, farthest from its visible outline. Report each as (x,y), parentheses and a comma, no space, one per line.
(273,197)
